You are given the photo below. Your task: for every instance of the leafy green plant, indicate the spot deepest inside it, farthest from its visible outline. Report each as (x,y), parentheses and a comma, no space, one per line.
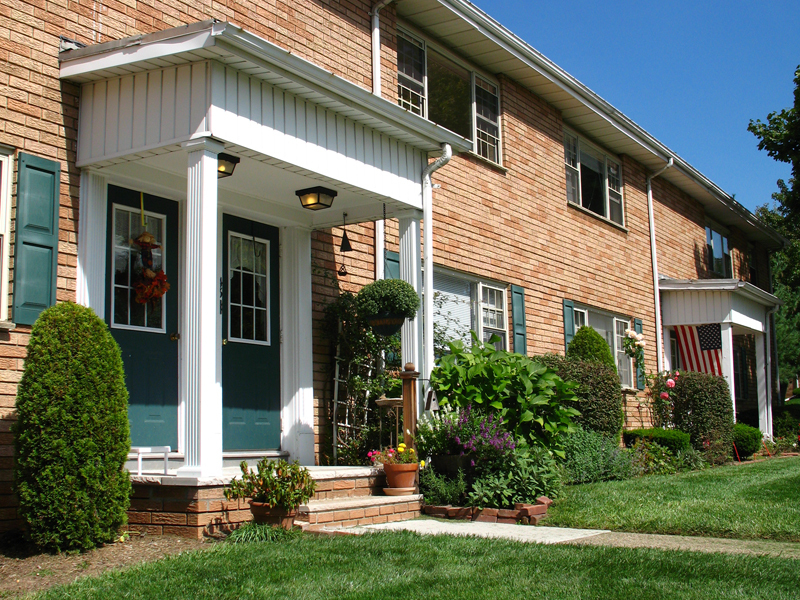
(529,474)
(786,421)
(672,439)
(599,393)
(587,344)
(440,490)
(690,460)
(590,456)
(650,458)
(392,296)
(276,483)
(533,401)
(71,438)
(747,440)
(249,533)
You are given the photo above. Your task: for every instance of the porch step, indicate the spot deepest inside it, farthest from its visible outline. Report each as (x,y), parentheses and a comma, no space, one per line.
(340,513)
(347,482)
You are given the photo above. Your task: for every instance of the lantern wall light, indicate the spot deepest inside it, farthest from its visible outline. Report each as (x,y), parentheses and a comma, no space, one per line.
(316,198)
(226,163)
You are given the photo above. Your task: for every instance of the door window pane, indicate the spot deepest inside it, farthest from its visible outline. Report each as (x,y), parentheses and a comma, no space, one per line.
(130,271)
(248,292)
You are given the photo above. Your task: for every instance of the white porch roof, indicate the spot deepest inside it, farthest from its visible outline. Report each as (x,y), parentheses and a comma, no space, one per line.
(294,124)
(702,301)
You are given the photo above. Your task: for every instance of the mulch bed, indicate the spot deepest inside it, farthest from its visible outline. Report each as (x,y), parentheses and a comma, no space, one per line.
(23,570)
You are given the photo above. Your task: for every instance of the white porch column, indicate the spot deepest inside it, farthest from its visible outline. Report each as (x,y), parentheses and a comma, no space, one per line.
(297,372)
(764,405)
(200,367)
(727,362)
(411,271)
(92,215)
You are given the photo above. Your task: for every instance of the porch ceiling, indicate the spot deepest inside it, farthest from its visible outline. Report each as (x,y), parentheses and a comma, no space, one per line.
(259,186)
(475,35)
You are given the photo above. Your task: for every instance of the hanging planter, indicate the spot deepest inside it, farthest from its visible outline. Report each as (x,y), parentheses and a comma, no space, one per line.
(386,304)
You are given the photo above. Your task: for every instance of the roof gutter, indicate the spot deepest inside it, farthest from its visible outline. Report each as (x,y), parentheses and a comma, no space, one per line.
(654,261)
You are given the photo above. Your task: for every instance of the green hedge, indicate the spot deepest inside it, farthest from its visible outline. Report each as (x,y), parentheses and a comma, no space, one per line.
(671,439)
(599,392)
(747,440)
(72,435)
(587,344)
(786,421)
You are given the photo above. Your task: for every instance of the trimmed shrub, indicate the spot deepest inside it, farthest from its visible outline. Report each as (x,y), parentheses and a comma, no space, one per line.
(671,439)
(703,409)
(747,440)
(533,401)
(786,421)
(393,296)
(590,345)
(72,435)
(599,392)
(590,457)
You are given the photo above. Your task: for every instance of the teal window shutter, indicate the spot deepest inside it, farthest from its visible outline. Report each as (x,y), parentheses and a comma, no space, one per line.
(391,265)
(36,243)
(569,323)
(520,332)
(640,381)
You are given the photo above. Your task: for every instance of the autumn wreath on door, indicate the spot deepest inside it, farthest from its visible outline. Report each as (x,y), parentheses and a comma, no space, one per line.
(150,285)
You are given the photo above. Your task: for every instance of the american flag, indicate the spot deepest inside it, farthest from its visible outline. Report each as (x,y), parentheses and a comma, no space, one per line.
(701,347)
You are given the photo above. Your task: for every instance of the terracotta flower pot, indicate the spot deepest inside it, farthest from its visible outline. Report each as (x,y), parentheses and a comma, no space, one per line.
(262,513)
(401,477)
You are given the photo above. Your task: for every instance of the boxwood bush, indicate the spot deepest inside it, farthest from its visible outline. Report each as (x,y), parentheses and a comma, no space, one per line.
(590,345)
(747,440)
(703,409)
(599,392)
(72,435)
(671,439)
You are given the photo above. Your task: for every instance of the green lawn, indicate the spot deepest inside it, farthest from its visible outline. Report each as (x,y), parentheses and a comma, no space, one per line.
(750,501)
(406,566)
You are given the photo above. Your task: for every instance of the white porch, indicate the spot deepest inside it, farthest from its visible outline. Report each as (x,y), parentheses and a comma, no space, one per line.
(741,309)
(156,111)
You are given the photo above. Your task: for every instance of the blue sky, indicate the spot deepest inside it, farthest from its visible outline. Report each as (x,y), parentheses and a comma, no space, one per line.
(692,74)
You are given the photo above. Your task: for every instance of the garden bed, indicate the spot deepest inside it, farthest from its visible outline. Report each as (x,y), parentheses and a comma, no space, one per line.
(523,514)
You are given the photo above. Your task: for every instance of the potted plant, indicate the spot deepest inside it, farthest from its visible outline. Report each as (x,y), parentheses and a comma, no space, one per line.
(386,303)
(400,466)
(275,490)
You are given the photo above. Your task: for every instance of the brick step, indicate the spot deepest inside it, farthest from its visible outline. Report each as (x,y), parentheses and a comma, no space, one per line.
(353,511)
(347,482)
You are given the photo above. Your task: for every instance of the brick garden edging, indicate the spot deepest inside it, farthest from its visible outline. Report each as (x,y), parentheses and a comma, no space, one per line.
(524,514)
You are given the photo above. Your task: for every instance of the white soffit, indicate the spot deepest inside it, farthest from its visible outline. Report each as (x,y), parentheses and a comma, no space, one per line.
(231,45)
(734,286)
(472,33)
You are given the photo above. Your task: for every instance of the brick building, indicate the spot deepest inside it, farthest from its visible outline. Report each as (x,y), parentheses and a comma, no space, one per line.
(554,211)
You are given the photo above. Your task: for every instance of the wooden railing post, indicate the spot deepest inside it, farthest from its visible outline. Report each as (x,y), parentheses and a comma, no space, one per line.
(409,377)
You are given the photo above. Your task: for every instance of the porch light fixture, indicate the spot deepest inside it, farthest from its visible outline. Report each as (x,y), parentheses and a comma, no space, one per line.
(345,247)
(226,163)
(316,198)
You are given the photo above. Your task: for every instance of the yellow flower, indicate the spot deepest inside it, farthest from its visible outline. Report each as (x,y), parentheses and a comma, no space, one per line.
(411,450)
(401,449)
(422,464)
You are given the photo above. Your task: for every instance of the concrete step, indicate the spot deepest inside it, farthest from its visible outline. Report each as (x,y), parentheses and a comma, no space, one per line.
(338,513)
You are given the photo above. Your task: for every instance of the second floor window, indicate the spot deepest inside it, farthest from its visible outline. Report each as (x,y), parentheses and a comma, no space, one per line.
(719,257)
(594,180)
(442,90)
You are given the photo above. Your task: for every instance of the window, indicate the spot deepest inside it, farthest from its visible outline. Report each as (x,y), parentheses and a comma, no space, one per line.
(612,328)
(751,264)
(594,180)
(5,215)
(674,352)
(248,291)
(435,86)
(461,304)
(719,258)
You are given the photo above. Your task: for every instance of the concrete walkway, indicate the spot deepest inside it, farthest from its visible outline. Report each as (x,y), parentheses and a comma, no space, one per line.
(596,537)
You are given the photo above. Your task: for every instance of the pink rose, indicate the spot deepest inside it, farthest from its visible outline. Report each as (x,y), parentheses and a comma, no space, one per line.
(664,396)
(670,383)
(677,374)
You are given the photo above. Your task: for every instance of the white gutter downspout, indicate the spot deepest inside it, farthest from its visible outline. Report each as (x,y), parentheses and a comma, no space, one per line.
(380,227)
(769,369)
(427,256)
(654,257)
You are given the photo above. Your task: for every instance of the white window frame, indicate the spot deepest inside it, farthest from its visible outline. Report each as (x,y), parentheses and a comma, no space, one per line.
(608,190)
(580,315)
(6,169)
(240,340)
(474,76)
(724,234)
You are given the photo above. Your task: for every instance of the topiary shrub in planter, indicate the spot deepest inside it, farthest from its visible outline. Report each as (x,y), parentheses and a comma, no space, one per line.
(599,393)
(72,436)
(386,303)
(590,345)
(747,440)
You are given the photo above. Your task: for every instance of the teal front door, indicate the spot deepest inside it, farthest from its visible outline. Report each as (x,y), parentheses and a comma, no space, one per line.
(251,336)
(145,329)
